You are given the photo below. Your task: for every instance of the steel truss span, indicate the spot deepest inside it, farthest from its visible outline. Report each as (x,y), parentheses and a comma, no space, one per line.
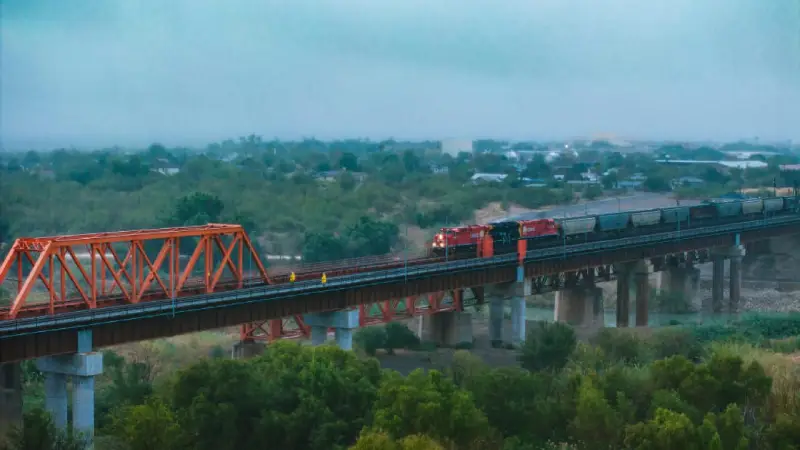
(89,271)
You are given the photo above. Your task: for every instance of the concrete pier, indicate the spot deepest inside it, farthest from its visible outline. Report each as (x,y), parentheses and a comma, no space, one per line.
(447,329)
(343,322)
(81,367)
(734,255)
(642,278)
(10,398)
(623,272)
(515,292)
(580,306)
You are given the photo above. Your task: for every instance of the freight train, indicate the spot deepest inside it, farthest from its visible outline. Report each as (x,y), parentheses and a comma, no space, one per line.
(464,240)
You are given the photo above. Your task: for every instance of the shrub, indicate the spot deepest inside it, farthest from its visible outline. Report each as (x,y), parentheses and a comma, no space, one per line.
(370,339)
(667,342)
(547,346)
(399,336)
(622,346)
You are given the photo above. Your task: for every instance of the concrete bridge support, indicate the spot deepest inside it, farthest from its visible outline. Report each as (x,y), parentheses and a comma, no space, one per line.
(639,274)
(580,306)
(623,294)
(447,329)
(680,280)
(343,322)
(81,367)
(734,255)
(516,293)
(10,398)
(642,277)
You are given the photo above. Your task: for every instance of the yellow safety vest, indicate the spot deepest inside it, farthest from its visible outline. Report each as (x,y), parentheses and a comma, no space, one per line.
(292,277)
(324,279)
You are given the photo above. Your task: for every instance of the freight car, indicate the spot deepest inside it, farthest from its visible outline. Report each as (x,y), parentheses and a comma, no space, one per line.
(464,241)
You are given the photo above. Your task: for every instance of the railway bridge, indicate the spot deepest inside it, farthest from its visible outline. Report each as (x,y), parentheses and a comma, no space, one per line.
(154,292)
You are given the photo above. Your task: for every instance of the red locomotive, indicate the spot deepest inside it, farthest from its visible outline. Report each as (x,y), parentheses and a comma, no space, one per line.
(465,240)
(457,240)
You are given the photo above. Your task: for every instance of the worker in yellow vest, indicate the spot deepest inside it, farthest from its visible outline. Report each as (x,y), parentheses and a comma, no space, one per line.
(292,277)
(324,279)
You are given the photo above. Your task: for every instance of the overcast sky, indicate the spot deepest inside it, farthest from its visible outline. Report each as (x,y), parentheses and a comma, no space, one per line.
(185,72)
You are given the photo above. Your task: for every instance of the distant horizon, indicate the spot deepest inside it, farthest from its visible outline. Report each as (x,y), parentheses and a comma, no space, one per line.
(198,144)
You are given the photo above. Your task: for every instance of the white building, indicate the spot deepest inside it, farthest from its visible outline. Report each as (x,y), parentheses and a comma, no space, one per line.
(455,146)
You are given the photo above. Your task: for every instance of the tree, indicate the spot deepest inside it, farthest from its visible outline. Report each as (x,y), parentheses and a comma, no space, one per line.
(596,424)
(151,425)
(370,339)
(291,396)
(316,398)
(669,430)
(429,404)
(411,161)
(323,247)
(348,161)
(347,181)
(398,336)
(197,208)
(372,440)
(656,183)
(610,181)
(371,237)
(131,384)
(547,346)
(531,406)
(38,432)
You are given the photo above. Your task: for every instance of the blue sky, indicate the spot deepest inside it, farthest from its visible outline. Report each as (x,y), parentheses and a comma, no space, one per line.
(185,72)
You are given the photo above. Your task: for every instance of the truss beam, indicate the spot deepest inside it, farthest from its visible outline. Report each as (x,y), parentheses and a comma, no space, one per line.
(83,271)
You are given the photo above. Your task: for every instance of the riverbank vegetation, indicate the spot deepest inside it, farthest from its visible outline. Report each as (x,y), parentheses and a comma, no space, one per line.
(675,387)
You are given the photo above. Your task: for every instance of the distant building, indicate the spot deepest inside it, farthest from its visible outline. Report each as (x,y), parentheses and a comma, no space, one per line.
(488,178)
(687,181)
(439,169)
(453,147)
(723,164)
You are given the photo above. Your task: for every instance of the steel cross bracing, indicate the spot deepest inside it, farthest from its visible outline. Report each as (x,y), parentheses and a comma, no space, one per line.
(102,269)
(369,314)
(264,292)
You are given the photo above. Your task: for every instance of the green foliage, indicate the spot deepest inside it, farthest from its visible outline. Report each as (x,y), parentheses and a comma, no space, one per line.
(596,425)
(429,404)
(754,328)
(621,345)
(370,339)
(147,426)
(547,346)
(291,396)
(399,336)
(372,440)
(519,403)
(365,237)
(671,341)
(38,432)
